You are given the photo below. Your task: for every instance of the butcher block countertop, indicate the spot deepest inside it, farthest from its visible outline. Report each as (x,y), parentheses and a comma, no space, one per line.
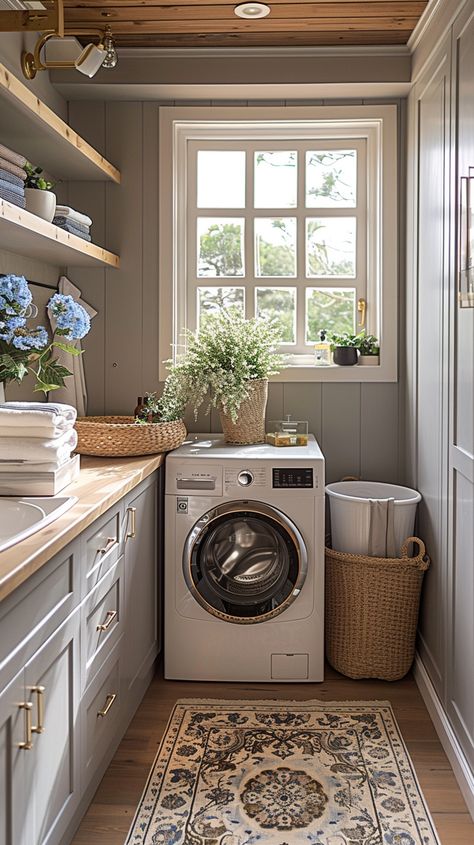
(102,482)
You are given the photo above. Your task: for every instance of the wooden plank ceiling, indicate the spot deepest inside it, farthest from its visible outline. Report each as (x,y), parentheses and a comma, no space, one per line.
(192,23)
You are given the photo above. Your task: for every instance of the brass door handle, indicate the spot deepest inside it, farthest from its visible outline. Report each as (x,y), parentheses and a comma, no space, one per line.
(27,744)
(109,618)
(108,704)
(132,517)
(111,541)
(361,309)
(39,727)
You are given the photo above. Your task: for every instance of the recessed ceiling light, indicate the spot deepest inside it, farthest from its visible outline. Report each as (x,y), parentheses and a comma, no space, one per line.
(252,10)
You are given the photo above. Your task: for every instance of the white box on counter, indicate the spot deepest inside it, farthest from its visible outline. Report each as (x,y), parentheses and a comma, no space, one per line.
(39,483)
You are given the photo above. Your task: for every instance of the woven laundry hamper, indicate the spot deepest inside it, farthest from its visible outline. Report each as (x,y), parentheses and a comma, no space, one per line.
(372,608)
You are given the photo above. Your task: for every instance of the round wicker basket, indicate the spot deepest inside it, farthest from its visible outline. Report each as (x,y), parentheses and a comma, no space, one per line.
(115,437)
(372,612)
(250,425)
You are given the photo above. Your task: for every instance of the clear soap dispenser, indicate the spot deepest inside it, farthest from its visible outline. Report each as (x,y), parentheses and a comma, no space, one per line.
(287,432)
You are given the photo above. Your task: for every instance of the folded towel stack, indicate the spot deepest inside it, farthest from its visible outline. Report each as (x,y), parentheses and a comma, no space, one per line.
(12,176)
(73,222)
(36,437)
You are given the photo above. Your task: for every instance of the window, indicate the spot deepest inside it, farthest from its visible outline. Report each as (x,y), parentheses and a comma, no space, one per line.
(290,219)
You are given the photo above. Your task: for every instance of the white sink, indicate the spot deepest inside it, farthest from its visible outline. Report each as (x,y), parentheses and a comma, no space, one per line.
(21,516)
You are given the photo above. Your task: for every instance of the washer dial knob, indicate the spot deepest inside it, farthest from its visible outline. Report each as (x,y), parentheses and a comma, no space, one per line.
(245,478)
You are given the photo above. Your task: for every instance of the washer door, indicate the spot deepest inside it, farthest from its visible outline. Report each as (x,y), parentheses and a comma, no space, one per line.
(245,562)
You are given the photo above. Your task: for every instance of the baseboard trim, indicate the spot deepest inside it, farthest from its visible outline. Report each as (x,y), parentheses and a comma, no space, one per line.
(462,770)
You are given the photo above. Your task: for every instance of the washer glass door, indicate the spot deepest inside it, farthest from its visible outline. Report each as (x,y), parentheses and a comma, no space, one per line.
(245,562)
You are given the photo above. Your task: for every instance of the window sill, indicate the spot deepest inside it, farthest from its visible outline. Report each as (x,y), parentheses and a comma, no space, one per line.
(309,372)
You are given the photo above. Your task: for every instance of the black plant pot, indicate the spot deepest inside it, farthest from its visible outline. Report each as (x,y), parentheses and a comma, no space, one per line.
(345,356)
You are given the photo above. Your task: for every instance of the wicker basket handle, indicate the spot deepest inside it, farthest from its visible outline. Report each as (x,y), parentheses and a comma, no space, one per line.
(421,558)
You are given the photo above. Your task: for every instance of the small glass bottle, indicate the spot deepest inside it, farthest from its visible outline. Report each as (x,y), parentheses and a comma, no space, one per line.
(140,411)
(322,350)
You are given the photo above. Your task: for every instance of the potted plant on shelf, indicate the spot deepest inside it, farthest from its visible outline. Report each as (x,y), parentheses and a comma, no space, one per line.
(344,348)
(227,363)
(40,199)
(369,349)
(25,349)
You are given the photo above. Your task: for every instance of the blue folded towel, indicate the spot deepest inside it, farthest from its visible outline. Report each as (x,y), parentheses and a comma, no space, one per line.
(73,231)
(14,189)
(10,177)
(65,221)
(15,199)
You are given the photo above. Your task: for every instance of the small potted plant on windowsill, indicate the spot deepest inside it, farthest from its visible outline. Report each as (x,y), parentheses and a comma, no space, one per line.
(40,199)
(369,349)
(344,348)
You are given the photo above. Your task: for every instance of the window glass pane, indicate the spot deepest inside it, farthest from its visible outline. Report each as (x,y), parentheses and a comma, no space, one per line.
(275,246)
(278,304)
(330,246)
(275,179)
(331,178)
(221,179)
(329,308)
(211,300)
(220,245)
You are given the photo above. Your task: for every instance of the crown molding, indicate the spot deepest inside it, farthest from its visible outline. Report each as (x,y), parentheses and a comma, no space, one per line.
(259,52)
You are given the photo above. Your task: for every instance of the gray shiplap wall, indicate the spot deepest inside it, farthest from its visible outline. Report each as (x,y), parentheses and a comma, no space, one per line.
(359,426)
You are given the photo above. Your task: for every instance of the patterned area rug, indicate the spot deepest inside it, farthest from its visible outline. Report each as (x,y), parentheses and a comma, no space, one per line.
(282,773)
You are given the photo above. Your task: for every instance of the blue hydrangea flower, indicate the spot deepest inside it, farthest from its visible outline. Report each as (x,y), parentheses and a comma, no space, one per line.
(8,326)
(30,338)
(71,318)
(15,295)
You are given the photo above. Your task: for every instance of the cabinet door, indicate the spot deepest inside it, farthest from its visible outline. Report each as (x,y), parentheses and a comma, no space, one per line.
(432,105)
(140,582)
(461,453)
(52,766)
(15,827)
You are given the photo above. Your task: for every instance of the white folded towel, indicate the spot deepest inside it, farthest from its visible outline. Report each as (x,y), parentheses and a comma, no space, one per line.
(36,419)
(38,449)
(72,214)
(22,467)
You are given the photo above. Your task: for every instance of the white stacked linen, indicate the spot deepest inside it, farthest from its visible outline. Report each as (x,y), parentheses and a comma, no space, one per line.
(37,440)
(42,449)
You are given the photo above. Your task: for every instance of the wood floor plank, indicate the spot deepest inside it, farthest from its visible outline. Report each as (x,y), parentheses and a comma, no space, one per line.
(109,816)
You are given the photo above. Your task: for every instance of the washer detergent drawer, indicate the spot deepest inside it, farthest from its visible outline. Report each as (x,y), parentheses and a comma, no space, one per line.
(194,480)
(290,667)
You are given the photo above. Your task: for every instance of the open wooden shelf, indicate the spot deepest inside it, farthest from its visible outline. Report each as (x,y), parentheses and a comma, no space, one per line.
(32,129)
(29,235)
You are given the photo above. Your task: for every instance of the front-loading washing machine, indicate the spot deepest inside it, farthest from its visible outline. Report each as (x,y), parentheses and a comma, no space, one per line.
(244,562)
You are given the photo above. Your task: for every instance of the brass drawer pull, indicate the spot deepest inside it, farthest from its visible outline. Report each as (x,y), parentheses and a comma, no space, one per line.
(108,704)
(27,745)
(132,517)
(39,727)
(111,541)
(110,616)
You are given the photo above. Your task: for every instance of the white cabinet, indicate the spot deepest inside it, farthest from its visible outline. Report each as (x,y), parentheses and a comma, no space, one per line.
(77,646)
(460,687)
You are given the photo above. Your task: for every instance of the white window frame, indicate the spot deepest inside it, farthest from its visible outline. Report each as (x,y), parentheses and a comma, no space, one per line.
(376,124)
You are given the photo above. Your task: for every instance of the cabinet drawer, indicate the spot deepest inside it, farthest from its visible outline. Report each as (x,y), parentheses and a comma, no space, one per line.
(101,709)
(101,548)
(102,620)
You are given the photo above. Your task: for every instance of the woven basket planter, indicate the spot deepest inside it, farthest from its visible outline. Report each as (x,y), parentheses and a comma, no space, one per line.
(372,612)
(115,437)
(250,425)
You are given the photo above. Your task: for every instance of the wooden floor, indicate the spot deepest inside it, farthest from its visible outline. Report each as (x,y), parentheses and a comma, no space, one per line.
(111,812)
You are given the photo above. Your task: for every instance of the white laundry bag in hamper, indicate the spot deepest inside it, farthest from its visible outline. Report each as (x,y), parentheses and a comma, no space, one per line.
(371,518)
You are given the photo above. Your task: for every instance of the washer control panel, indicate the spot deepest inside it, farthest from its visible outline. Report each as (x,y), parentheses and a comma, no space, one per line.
(298,477)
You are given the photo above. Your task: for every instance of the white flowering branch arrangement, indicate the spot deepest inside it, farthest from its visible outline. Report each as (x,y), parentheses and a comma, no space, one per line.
(220,360)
